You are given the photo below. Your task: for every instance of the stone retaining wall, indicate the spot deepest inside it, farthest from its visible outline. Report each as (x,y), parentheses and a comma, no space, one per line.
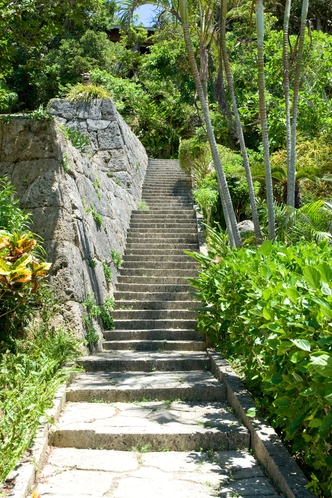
(81,202)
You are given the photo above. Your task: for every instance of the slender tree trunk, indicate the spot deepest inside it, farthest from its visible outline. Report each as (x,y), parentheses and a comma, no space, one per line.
(263,116)
(204,67)
(298,72)
(287,98)
(224,55)
(222,183)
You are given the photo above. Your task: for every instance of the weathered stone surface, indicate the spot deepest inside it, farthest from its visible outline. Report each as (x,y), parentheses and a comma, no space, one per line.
(81,203)
(246,226)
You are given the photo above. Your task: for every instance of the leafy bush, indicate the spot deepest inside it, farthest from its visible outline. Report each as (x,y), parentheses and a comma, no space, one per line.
(22,270)
(28,382)
(270,307)
(87,93)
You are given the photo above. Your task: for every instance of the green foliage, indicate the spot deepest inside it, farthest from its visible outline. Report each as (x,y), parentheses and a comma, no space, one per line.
(81,93)
(92,262)
(96,216)
(142,206)
(22,270)
(8,98)
(95,311)
(270,307)
(116,258)
(28,382)
(79,141)
(12,218)
(107,273)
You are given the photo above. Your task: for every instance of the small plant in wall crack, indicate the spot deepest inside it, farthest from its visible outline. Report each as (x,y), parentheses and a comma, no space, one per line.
(95,215)
(116,258)
(79,141)
(96,184)
(142,206)
(94,312)
(92,262)
(107,273)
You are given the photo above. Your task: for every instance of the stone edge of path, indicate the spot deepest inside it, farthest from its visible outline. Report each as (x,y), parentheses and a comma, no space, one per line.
(20,481)
(268,447)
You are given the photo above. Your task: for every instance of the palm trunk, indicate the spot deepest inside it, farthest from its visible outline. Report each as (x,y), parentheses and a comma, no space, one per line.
(298,71)
(223,50)
(263,116)
(290,198)
(222,183)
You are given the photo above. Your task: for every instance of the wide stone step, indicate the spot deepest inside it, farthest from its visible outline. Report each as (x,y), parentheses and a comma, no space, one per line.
(168,289)
(167,238)
(155,323)
(156,305)
(83,473)
(152,246)
(159,280)
(149,295)
(141,264)
(154,272)
(153,334)
(154,314)
(154,345)
(142,361)
(164,230)
(135,386)
(177,425)
(148,225)
(164,214)
(159,256)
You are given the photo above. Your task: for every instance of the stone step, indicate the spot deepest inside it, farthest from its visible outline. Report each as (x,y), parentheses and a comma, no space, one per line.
(160,245)
(143,361)
(164,230)
(154,314)
(155,323)
(83,473)
(168,238)
(141,264)
(173,257)
(133,279)
(170,291)
(171,426)
(154,345)
(133,296)
(153,334)
(164,214)
(180,225)
(154,272)
(156,305)
(135,386)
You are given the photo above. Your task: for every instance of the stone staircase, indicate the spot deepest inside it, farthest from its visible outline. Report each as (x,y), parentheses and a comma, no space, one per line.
(147,418)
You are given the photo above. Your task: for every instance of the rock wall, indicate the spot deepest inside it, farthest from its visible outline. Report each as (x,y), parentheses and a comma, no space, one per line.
(81,202)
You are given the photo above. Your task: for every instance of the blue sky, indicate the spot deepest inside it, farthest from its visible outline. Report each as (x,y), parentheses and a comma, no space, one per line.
(146,13)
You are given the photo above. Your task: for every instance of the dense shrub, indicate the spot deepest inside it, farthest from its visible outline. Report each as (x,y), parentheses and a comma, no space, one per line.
(271,308)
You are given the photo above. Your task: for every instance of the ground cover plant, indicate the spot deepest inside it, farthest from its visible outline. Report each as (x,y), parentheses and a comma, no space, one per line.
(31,355)
(270,308)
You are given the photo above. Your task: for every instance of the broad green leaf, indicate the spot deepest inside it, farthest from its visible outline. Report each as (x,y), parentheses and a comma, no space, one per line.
(328,461)
(325,272)
(327,422)
(251,412)
(292,294)
(302,344)
(312,277)
(326,289)
(266,247)
(266,314)
(315,422)
(266,294)
(322,364)
(325,306)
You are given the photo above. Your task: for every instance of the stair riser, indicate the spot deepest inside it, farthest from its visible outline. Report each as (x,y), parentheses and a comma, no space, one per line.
(154,324)
(158,265)
(133,296)
(153,314)
(143,365)
(153,346)
(154,272)
(154,334)
(156,305)
(209,440)
(129,395)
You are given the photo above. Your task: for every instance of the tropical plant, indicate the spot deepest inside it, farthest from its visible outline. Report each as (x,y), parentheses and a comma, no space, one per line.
(87,93)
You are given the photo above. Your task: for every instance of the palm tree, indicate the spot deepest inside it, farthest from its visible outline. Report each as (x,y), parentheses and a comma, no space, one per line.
(225,59)
(222,182)
(298,72)
(263,116)
(286,90)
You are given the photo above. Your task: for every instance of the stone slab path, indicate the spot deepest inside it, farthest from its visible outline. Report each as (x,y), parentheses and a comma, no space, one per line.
(147,418)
